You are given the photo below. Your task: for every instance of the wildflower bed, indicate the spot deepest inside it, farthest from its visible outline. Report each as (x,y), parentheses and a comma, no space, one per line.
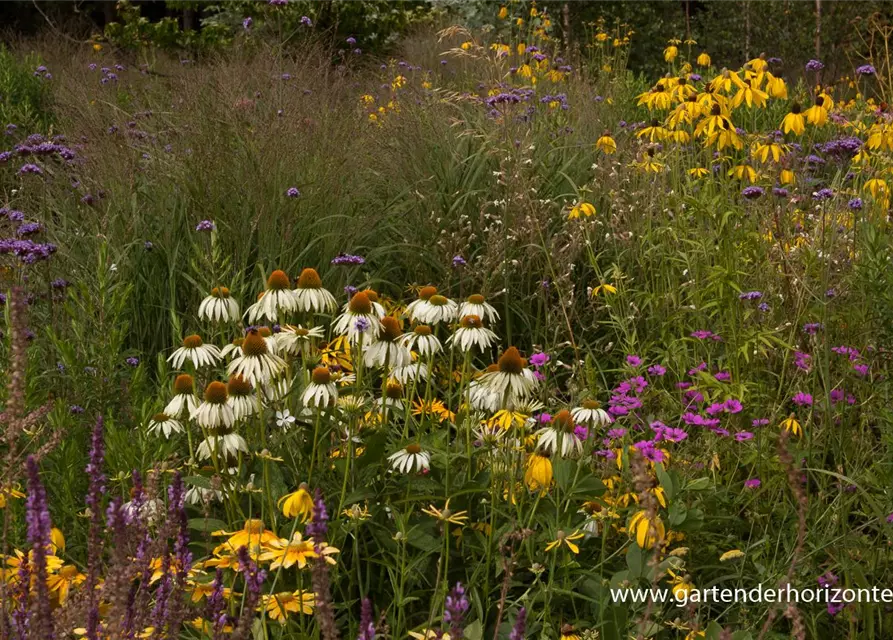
(446,347)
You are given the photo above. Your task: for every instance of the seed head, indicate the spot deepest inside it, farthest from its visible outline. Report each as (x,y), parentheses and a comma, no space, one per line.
(511,361)
(184,383)
(254,344)
(321,375)
(309,279)
(476,298)
(192,342)
(215,393)
(425,293)
(471,322)
(278,280)
(390,329)
(360,303)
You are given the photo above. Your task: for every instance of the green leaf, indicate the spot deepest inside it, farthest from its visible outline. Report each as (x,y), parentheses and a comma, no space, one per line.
(635,560)
(207,525)
(198,481)
(474,631)
(700,484)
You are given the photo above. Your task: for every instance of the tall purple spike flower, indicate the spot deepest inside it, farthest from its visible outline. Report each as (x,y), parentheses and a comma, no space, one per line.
(214,606)
(317,529)
(176,494)
(94,543)
(39,526)
(520,625)
(367,625)
(254,581)
(456,607)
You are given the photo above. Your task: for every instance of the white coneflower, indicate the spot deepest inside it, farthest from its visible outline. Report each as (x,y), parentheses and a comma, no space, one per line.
(165,425)
(481,397)
(256,364)
(310,297)
(392,397)
(410,372)
(226,446)
(489,434)
(437,309)
(242,397)
(233,349)
(591,414)
(387,350)
(199,495)
(359,319)
(425,294)
(276,299)
(471,333)
(513,382)
(422,340)
(214,412)
(219,306)
(184,400)
(377,307)
(197,352)
(560,434)
(321,391)
(409,459)
(276,389)
(295,340)
(475,305)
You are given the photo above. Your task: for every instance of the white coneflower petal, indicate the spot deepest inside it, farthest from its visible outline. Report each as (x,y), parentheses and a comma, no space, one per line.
(422,340)
(197,352)
(310,297)
(163,424)
(321,392)
(278,298)
(476,306)
(513,382)
(437,309)
(409,459)
(295,340)
(256,364)
(219,306)
(471,333)
(214,412)
(591,414)
(360,320)
(184,400)
(226,446)
(409,372)
(425,294)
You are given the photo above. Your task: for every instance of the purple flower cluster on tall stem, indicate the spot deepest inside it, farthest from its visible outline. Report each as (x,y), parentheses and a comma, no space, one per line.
(94,543)
(520,625)
(39,527)
(254,581)
(456,607)
(318,529)
(367,625)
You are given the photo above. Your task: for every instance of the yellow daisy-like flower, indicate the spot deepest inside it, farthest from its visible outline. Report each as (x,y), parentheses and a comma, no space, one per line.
(647,531)
(562,538)
(791,424)
(606,144)
(62,582)
(445,515)
(507,419)
(703,59)
(538,475)
(299,503)
(582,209)
(287,553)
(604,288)
(279,605)
(699,172)
(252,534)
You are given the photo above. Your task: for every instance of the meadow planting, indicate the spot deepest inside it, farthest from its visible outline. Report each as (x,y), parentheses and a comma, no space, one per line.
(459,340)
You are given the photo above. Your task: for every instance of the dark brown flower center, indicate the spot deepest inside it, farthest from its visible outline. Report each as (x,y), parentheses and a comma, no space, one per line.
(413,448)
(476,298)
(422,330)
(390,329)
(254,344)
(471,322)
(360,304)
(215,393)
(321,375)
(309,279)
(238,386)
(192,342)
(425,293)
(511,361)
(183,384)
(278,280)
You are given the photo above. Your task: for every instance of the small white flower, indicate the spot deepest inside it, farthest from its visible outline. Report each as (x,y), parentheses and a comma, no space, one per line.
(285,419)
